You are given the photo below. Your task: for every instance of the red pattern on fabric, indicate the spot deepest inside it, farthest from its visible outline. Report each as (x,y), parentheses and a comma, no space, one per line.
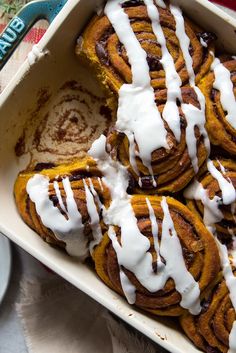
(34,35)
(229,3)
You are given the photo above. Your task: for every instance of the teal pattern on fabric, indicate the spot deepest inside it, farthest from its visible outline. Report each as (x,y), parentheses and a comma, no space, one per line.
(18,27)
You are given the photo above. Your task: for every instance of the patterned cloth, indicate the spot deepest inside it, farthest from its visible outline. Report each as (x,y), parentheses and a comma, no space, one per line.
(33,37)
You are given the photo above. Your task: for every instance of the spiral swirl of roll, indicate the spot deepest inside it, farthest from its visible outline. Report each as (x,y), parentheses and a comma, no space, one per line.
(220,131)
(198,246)
(79,175)
(211,329)
(172,168)
(226,228)
(100,45)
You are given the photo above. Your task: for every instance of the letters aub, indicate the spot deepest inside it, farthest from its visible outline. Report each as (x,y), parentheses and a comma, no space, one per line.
(10,35)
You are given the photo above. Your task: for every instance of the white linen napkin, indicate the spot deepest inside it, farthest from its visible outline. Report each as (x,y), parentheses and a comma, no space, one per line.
(58,318)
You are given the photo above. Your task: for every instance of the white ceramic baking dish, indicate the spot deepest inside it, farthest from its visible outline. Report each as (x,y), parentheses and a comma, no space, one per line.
(51,64)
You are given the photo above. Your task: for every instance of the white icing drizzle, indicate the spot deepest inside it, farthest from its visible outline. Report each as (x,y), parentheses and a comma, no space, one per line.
(173,81)
(94,192)
(154,232)
(132,250)
(203,43)
(193,115)
(58,195)
(68,230)
(170,249)
(230,280)
(227,189)
(212,214)
(128,288)
(160,3)
(196,191)
(224,85)
(94,217)
(137,113)
(222,168)
(100,183)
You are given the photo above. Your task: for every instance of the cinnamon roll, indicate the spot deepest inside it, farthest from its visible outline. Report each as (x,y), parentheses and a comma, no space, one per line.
(159,142)
(108,56)
(216,197)
(214,330)
(63,204)
(172,168)
(170,262)
(219,88)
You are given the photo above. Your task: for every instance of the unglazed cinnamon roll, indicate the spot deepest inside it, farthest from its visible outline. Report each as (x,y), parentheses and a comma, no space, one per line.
(219,88)
(214,330)
(212,197)
(64,204)
(167,265)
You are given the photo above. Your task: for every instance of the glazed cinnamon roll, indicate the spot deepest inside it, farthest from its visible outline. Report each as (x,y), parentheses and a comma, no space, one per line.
(172,167)
(161,52)
(63,204)
(219,88)
(101,46)
(216,197)
(170,262)
(214,330)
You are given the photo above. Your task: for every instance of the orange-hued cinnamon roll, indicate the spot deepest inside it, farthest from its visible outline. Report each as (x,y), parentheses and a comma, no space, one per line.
(161,260)
(63,204)
(214,330)
(219,88)
(101,47)
(172,167)
(211,198)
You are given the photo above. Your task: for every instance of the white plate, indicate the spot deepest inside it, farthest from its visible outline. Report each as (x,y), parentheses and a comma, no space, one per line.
(5,265)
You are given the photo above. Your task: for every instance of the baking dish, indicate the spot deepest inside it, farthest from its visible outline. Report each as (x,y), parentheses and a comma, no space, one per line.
(49,66)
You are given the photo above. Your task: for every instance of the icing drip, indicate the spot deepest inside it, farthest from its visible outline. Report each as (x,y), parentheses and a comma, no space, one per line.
(94,192)
(173,81)
(128,288)
(193,115)
(222,168)
(132,250)
(100,183)
(171,251)
(58,195)
(224,85)
(212,214)
(154,232)
(196,191)
(94,216)
(149,133)
(227,188)
(203,43)
(160,3)
(230,280)
(68,230)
